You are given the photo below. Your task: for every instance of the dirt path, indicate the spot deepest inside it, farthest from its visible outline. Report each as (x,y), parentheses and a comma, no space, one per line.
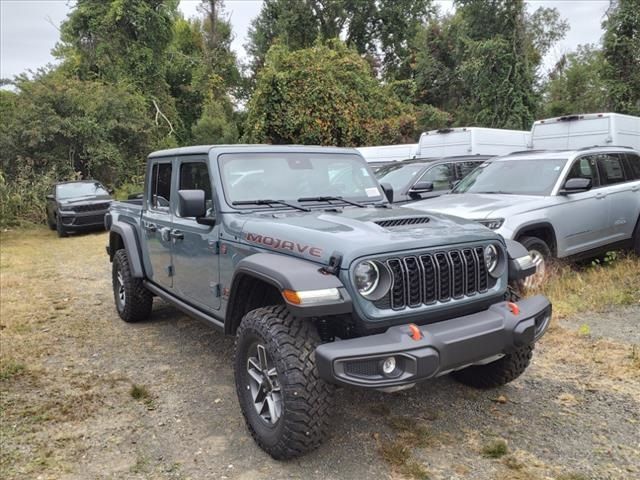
(69,365)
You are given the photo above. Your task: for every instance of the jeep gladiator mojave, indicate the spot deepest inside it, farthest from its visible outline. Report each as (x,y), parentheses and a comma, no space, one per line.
(322,283)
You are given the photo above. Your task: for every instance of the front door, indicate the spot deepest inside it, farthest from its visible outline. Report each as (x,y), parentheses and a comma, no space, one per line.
(195,246)
(581,219)
(156,224)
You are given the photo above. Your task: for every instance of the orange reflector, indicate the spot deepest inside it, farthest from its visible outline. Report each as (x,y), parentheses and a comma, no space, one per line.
(291,297)
(416,334)
(515,309)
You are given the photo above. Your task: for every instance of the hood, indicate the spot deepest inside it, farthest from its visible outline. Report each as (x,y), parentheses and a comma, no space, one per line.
(479,205)
(86,199)
(353,232)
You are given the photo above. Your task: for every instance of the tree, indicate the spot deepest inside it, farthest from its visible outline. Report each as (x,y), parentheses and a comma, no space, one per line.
(576,84)
(621,50)
(118,40)
(380,29)
(324,95)
(482,63)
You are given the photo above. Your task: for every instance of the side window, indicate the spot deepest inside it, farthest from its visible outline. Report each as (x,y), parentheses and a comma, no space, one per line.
(584,167)
(195,176)
(465,168)
(633,164)
(439,175)
(161,186)
(610,169)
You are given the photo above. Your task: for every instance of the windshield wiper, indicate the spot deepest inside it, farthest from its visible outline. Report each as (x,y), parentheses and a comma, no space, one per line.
(270,203)
(497,192)
(331,199)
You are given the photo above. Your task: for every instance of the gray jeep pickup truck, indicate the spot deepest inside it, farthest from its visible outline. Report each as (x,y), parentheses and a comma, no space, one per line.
(322,282)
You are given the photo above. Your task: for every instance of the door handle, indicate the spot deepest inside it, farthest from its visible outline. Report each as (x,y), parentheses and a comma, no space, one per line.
(635,188)
(176,235)
(150,227)
(600,195)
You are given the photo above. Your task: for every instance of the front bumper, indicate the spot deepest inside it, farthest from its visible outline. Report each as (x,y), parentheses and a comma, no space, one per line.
(445,346)
(81,220)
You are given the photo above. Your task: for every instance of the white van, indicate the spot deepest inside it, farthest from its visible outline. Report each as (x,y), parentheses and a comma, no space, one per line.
(452,142)
(388,153)
(572,132)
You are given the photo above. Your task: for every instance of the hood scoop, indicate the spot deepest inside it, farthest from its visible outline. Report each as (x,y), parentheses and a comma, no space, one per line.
(402,222)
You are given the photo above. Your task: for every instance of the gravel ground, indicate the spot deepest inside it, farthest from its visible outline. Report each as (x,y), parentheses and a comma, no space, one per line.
(68,411)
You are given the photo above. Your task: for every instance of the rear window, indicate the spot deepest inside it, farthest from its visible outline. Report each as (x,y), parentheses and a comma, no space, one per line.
(610,169)
(633,162)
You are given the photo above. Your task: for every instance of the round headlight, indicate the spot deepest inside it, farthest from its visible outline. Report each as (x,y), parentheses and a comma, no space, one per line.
(366,276)
(491,257)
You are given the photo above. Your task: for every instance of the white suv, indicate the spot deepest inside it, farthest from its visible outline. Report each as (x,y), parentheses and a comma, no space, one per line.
(575,203)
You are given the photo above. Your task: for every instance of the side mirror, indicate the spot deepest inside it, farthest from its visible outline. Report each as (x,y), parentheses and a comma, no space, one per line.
(191,203)
(50,197)
(110,191)
(576,185)
(421,187)
(388,191)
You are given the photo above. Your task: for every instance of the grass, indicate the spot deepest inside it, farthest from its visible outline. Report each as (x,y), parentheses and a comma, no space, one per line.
(596,287)
(139,392)
(495,449)
(9,368)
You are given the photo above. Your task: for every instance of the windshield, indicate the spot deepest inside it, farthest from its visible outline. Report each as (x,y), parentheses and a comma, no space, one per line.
(290,176)
(80,189)
(516,177)
(398,175)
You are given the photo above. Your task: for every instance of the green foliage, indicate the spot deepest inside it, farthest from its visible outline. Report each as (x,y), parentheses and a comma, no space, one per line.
(324,95)
(377,28)
(481,63)
(576,85)
(621,50)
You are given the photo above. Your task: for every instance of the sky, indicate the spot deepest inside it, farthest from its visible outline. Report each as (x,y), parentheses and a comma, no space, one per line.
(29,28)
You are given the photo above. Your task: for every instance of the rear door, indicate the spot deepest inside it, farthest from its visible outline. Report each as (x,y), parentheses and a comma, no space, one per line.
(621,192)
(156,223)
(195,246)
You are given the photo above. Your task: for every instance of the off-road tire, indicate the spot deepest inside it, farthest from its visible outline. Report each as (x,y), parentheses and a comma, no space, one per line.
(60,228)
(50,224)
(539,245)
(307,400)
(498,373)
(138,300)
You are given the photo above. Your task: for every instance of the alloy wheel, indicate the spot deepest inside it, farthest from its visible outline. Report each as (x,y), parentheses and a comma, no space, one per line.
(263,385)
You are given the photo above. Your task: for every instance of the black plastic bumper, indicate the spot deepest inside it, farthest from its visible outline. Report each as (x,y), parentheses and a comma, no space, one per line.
(444,346)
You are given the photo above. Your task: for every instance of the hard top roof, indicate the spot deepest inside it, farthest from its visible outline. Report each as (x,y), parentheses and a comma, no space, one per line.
(205,149)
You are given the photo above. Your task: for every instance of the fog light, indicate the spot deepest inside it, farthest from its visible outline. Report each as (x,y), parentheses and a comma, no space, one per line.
(389,365)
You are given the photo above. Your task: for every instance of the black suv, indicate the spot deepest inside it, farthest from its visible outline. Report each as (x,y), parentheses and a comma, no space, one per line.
(78,205)
(422,178)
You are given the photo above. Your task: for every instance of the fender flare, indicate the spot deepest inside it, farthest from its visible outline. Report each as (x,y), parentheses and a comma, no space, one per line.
(520,265)
(131,244)
(291,273)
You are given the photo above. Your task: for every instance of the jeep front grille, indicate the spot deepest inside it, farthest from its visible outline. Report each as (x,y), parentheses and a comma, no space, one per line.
(91,207)
(439,277)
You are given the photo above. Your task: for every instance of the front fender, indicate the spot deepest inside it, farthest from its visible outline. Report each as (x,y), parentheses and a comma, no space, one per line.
(290,273)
